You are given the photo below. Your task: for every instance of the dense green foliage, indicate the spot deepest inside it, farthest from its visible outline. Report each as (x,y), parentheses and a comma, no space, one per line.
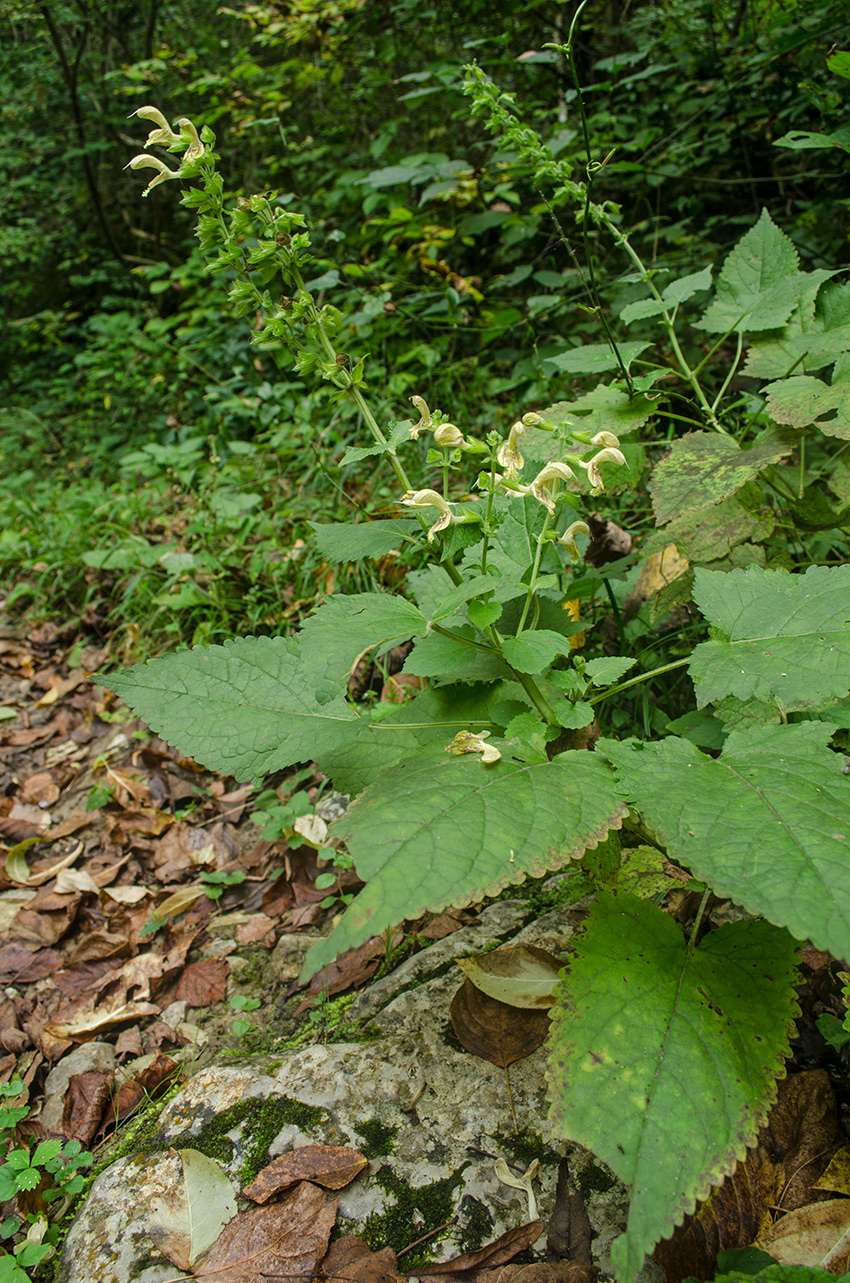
(617,271)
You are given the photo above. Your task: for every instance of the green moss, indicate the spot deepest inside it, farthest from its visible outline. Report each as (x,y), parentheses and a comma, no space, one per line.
(417,1211)
(476,1225)
(378,1139)
(261,1120)
(594,1180)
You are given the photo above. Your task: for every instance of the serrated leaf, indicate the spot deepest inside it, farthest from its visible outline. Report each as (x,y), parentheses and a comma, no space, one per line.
(244,708)
(766,824)
(604,409)
(439,712)
(337,634)
(448,605)
(604,672)
(440,656)
(662,1059)
(520,975)
(818,334)
(677,292)
(803,400)
(783,638)
(703,468)
(533,652)
(351,540)
(191,1220)
(759,283)
(439,830)
(595,358)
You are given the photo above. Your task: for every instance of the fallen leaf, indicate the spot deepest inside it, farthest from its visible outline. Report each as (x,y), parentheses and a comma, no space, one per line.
(348,971)
(20,966)
(333,1166)
(351,1260)
(148,1085)
(520,975)
(180,901)
(445,924)
(86,1098)
(40,790)
(70,880)
(502,1249)
(837,1175)
(189,1223)
(284,1240)
(817,1235)
(793,1150)
(259,929)
(541,1272)
(493,1030)
(106,1017)
(204,983)
(569,1232)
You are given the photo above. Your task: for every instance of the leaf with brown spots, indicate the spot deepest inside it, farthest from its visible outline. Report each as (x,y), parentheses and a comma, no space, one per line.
(493,1030)
(204,983)
(333,1166)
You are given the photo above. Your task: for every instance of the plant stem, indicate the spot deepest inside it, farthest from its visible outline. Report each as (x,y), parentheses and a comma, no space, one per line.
(635,681)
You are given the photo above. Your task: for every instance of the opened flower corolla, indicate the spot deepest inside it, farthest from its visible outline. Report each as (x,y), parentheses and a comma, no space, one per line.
(424,417)
(545,480)
(196,147)
(509,456)
(594,476)
(568,538)
(164,134)
(430,499)
(150,162)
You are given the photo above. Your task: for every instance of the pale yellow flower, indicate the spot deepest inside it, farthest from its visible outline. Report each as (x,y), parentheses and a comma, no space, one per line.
(164,134)
(196,147)
(509,456)
(545,480)
(430,499)
(470,742)
(568,538)
(424,417)
(151,162)
(448,436)
(608,455)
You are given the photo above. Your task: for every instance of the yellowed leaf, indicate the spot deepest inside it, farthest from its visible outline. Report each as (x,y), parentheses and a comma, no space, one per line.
(660,570)
(837,1175)
(817,1236)
(106,1017)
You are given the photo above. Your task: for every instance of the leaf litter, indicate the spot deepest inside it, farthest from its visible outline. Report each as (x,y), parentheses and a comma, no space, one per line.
(106,925)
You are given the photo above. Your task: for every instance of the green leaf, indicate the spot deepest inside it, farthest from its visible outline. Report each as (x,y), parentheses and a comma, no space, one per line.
(344,627)
(604,672)
(351,540)
(663,1059)
(803,400)
(759,284)
(449,605)
(818,334)
(805,140)
(439,656)
(605,408)
(438,713)
(676,292)
(243,708)
(765,824)
(595,358)
(533,652)
(778,637)
(186,1225)
(710,533)
(704,468)
(439,830)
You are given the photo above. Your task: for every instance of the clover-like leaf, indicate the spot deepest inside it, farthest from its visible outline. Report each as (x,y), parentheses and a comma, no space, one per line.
(766,824)
(663,1058)
(439,830)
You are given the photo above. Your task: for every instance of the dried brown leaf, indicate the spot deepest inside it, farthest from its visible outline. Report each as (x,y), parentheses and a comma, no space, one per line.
(493,1030)
(502,1249)
(204,983)
(87,1097)
(39,790)
(332,1166)
(22,966)
(817,1235)
(351,1260)
(286,1240)
(106,1017)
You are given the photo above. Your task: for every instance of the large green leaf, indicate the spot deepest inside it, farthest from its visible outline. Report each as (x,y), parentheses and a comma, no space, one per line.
(439,830)
(776,636)
(704,468)
(663,1059)
(766,824)
(595,358)
(709,533)
(337,634)
(438,713)
(351,540)
(677,292)
(244,708)
(759,284)
(443,657)
(605,408)
(816,334)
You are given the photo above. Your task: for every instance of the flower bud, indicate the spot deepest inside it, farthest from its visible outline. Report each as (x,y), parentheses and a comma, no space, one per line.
(448,436)
(605,439)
